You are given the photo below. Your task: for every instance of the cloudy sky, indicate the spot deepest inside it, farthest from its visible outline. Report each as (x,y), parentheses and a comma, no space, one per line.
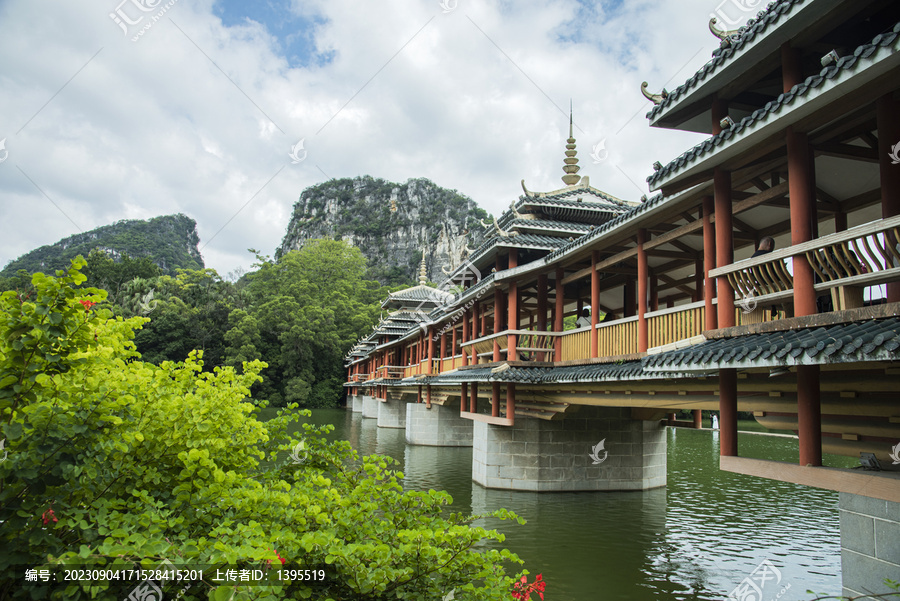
(124,109)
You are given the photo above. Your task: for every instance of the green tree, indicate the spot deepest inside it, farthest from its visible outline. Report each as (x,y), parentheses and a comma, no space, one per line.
(307,310)
(114,462)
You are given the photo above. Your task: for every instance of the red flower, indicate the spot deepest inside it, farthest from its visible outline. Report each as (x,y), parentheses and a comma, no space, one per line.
(49,515)
(87,305)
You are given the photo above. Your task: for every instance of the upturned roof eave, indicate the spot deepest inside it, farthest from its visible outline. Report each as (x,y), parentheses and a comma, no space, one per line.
(722,71)
(744,137)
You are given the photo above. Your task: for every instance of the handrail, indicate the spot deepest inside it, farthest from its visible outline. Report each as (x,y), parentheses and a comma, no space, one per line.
(860,231)
(676,309)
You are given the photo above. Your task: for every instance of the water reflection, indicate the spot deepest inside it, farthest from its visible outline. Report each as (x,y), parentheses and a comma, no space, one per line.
(694,540)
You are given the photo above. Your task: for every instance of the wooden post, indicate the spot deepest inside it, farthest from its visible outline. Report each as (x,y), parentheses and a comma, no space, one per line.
(698,419)
(443,345)
(728,444)
(511,401)
(802,207)
(473,401)
(654,292)
(809,415)
(512,306)
(886,112)
(709,263)
(791,67)
(542,307)
(512,320)
(724,244)
(428,367)
(463,397)
(498,313)
(453,342)
(643,335)
(495,399)
(595,304)
(559,303)
(476,333)
(465,336)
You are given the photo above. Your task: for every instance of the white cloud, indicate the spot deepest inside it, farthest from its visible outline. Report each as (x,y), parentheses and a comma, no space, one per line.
(472,101)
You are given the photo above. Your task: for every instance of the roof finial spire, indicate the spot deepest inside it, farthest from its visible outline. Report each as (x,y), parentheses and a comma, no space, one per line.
(423,272)
(570,167)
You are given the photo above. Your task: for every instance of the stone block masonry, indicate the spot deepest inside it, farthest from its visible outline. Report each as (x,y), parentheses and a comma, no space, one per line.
(870,544)
(356,403)
(541,455)
(440,426)
(370,407)
(392,414)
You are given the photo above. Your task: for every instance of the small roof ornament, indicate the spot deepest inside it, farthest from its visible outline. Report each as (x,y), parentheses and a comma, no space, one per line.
(723,34)
(571,167)
(654,98)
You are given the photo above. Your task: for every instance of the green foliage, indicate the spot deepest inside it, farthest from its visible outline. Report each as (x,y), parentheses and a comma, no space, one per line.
(115,462)
(305,313)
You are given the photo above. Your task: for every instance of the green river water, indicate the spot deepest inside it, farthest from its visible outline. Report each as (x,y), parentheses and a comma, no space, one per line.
(697,539)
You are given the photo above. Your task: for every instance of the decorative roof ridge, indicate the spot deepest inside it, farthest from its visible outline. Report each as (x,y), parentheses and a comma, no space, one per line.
(730,44)
(844,64)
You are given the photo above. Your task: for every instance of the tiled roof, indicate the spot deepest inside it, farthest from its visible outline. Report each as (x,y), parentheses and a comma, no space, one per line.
(844,66)
(874,340)
(536,241)
(547,224)
(728,48)
(420,293)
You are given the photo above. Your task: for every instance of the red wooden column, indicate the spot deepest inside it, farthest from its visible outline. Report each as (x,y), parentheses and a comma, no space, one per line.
(803,212)
(719,111)
(654,292)
(498,320)
(495,399)
(473,401)
(643,334)
(476,332)
(887,112)
(801,183)
(463,397)
(724,244)
(558,314)
(728,444)
(443,345)
(709,263)
(542,307)
(428,368)
(698,419)
(512,307)
(510,401)
(465,337)
(595,305)
(453,344)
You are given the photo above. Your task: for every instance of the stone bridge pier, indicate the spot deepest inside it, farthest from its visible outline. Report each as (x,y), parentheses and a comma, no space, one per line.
(392,410)
(370,406)
(562,455)
(437,425)
(356,403)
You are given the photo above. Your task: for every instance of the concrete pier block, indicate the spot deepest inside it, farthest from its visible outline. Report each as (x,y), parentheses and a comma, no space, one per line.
(440,426)
(356,403)
(870,544)
(392,414)
(541,455)
(370,407)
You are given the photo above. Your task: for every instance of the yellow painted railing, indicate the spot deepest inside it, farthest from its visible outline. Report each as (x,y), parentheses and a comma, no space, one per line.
(677,323)
(576,344)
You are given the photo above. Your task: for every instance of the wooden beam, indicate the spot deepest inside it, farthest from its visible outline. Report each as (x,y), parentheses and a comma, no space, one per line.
(846,151)
(878,485)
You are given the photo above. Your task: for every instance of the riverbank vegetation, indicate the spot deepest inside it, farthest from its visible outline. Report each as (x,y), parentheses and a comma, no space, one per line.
(115,463)
(299,315)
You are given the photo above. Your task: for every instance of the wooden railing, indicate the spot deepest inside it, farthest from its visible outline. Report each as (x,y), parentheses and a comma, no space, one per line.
(858,257)
(576,344)
(614,338)
(389,372)
(670,325)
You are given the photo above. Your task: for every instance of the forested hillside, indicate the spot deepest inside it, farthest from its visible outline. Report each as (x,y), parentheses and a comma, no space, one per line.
(169,241)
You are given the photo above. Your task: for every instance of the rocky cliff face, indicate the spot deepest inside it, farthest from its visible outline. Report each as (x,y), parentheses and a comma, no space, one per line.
(392,224)
(170,241)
